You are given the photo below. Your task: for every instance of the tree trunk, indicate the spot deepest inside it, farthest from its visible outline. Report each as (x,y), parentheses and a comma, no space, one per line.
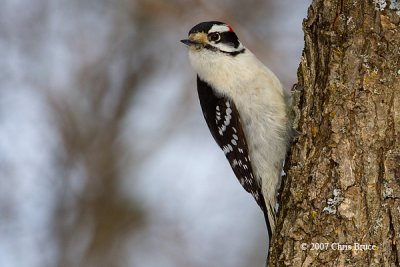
(343,175)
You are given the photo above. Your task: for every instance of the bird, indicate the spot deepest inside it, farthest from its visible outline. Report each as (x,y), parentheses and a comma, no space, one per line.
(245,108)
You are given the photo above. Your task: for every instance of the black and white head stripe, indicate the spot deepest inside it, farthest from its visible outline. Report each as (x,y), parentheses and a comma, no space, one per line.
(227,41)
(224,123)
(221,27)
(228,36)
(205,26)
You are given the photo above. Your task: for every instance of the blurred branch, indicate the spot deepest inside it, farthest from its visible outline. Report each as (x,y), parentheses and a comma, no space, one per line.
(89,121)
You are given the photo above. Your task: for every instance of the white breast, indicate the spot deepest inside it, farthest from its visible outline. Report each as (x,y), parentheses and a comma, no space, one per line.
(259,98)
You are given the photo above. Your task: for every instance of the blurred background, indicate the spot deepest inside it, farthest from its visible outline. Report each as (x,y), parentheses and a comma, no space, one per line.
(105,158)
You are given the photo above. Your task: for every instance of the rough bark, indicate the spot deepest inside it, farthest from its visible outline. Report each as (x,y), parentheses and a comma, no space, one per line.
(343,174)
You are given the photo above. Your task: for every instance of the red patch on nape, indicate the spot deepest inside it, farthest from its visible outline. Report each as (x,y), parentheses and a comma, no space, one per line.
(230,28)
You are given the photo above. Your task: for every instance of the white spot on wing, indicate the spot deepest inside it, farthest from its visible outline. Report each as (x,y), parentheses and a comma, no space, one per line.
(234,163)
(225,149)
(227,119)
(230,147)
(255,195)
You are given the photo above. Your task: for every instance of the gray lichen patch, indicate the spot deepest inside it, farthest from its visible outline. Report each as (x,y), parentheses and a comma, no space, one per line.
(379,4)
(333,202)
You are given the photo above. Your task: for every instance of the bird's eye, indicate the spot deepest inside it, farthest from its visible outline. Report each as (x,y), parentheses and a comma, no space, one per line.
(214,37)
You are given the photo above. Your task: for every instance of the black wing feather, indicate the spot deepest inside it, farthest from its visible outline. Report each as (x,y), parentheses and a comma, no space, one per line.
(224,123)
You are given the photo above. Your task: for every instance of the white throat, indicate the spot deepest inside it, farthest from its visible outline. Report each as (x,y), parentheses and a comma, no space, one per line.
(231,75)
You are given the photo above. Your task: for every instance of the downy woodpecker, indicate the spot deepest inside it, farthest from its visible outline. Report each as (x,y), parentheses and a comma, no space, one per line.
(245,108)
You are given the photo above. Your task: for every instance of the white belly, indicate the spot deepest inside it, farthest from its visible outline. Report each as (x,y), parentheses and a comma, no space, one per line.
(266,136)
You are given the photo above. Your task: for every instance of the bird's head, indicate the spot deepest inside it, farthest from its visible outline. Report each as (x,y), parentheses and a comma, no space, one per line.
(214,36)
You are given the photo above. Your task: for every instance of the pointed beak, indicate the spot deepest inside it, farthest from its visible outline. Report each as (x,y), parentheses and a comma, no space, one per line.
(196,40)
(189,42)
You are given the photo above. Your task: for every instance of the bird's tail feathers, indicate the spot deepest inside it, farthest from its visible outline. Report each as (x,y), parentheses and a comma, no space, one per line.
(270,220)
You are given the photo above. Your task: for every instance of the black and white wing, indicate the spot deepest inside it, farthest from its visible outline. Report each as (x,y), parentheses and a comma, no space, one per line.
(224,123)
